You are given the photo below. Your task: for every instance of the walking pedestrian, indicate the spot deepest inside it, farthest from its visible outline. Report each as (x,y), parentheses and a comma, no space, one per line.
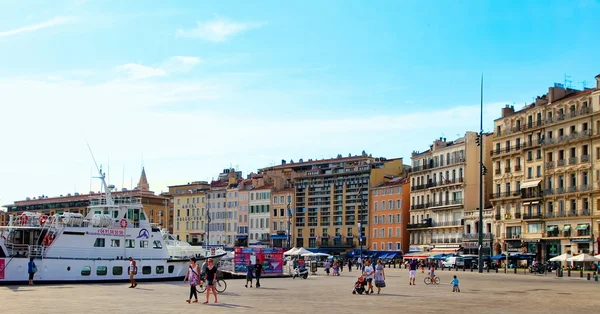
(359,263)
(327,266)
(257,272)
(211,278)
(379,276)
(349,265)
(193,274)
(249,271)
(412,272)
(31,270)
(369,273)
(132,271)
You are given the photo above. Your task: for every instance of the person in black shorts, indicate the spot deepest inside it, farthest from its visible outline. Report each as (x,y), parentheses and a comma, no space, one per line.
(257,272)
(211,278)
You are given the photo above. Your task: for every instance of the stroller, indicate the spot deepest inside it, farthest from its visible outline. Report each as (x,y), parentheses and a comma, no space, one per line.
(359,286)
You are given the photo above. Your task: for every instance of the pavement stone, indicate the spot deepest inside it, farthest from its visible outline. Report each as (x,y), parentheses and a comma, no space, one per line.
(480,293)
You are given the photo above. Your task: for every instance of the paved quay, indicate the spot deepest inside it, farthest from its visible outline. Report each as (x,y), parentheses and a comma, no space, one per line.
(481,293)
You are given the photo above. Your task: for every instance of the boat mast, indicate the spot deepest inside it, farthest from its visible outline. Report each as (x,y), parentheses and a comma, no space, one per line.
(107,190)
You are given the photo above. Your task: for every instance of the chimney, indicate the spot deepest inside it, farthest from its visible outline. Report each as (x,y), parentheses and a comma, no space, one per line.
(283,162)
(598,81)
(556,93)
(507,111)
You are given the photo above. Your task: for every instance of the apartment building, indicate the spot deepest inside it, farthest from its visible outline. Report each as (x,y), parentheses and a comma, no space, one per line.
(546,208)
(390,204)
(259,215)
(282,203)
(330,195)
(244,188)
(232,211)
(189,209)
(444,182)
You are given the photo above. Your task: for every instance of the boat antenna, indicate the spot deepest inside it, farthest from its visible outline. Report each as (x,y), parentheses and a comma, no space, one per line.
(109,200)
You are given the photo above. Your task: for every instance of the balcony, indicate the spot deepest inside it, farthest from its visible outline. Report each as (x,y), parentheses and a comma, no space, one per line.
(445,182)
(446,223)
(440,241)
(517,168)
(441,205)
(569,115)
(534,194)
(476,236)
(533,124)
(417,207)
(505,194)
(498,217)
(585,158)
(511,235)
(418,187)
(508,149)
(507,169)
(533,216)
(549,165)
(497,171)
(568,138)
(421,225)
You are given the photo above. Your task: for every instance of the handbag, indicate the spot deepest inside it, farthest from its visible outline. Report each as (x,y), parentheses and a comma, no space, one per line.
(379,283)
(34,269)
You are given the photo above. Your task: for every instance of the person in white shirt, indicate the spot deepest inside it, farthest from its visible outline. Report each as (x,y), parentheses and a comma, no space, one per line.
(359,263)
(132,271)
(369,273)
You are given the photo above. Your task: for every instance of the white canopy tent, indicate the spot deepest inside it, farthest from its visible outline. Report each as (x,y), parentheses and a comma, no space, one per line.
(301,251)
(311,254)
(561,258)
(583,258)
(291,251)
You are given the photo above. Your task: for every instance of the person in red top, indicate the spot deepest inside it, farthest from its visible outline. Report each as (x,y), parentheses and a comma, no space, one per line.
(132,271)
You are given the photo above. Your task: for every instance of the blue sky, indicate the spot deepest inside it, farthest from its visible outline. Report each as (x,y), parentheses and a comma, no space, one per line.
(194,86)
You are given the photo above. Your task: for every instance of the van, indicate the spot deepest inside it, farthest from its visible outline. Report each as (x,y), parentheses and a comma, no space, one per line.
(450,262)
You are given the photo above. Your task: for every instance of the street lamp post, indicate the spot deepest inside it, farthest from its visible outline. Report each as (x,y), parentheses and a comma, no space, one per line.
(289,227)
(360,224)
(481,173)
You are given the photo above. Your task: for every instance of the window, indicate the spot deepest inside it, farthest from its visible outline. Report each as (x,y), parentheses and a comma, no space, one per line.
(375,205)
(529,172)
(157,245)
(86,271)
(171,269)
(117,271)
(99,242)
(130,243)
(374,246)
(375,233)
(147,270)
(534,228)
(275,200)
(101,270)
(390,219)
(144,244)
(398,204)
(538,171)
(160,270)
(282,199)
(115,243)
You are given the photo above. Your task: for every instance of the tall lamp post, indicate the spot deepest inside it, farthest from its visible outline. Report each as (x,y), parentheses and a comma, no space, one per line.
(208,226)
(361,222)
(289,224)
(481,174)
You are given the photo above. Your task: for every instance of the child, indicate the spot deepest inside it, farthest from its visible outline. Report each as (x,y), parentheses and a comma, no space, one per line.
(249,271)
(455,287)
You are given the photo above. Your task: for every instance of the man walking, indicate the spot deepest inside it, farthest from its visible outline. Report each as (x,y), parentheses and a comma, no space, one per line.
(257,272)
(359,263)
(412,272)
(132,271)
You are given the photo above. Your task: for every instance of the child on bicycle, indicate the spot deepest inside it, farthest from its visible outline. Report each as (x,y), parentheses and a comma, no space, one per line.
(455,287)
(432,273)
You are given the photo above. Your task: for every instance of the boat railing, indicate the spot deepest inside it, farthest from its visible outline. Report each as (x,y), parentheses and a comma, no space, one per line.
(101,254)
(185,251)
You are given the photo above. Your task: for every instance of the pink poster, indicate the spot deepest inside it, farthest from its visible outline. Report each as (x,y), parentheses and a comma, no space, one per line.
(272,260)
(242,256)
(1,268)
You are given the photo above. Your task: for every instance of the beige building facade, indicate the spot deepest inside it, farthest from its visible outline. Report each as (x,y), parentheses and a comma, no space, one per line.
(445,182)
(550,205)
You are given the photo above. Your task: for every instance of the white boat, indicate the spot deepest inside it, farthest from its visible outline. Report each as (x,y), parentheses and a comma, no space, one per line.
(72,248)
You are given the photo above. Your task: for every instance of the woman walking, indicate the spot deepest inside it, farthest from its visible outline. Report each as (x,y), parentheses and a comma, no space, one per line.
(31,270)
(379,276)
(194,278)
(211,279)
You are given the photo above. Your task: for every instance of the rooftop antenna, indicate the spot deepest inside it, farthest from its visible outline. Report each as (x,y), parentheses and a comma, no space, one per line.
(568,81)
(583,84)
(123,179)
(109,200)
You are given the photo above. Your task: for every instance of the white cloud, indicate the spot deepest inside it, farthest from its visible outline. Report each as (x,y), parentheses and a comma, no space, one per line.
(137,71)
(176,64)
(61,20)
(217,30)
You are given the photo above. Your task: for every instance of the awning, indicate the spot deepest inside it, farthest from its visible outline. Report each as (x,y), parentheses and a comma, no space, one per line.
(583,227)
(420,255)
(444,250)
(526,203)
(551,228)
(567,228)
(241,236)
(278,237)
(530,184)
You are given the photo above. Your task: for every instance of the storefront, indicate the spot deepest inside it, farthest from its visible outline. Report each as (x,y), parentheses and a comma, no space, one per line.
(551,248)
(533,247)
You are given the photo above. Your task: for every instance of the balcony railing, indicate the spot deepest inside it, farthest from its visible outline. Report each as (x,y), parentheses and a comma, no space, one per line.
(498,171)
(450,162)
(518,168)
(513,193)
(561,162)
(506,149)
(421,225)
(476,236)
(549,164)
(418,187)
(535,194)
(567,138)
(510,235)
(585,158)
(417,207)
(569,115)
(507,169)
(446,223)
(533,216)
(498,217)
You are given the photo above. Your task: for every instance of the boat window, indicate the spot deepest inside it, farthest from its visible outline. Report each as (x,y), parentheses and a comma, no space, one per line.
(99,242)
(142,216)
(146,270)
(160,269)
(129,244)
(144,243)
(117,270)
(115,243)
(86,271)
(98,212)
(115,214)
(157,245)
(171,269)
(101,270)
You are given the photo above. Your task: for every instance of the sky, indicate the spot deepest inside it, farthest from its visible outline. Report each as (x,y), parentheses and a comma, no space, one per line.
(189,88)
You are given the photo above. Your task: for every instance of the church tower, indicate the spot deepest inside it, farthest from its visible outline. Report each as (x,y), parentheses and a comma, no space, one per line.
(143,185)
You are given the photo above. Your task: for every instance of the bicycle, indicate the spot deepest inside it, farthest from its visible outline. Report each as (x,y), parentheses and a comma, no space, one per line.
(428,281)
(220,286)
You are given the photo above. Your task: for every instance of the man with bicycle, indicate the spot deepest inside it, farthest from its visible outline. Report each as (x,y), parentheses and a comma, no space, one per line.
(432,272)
